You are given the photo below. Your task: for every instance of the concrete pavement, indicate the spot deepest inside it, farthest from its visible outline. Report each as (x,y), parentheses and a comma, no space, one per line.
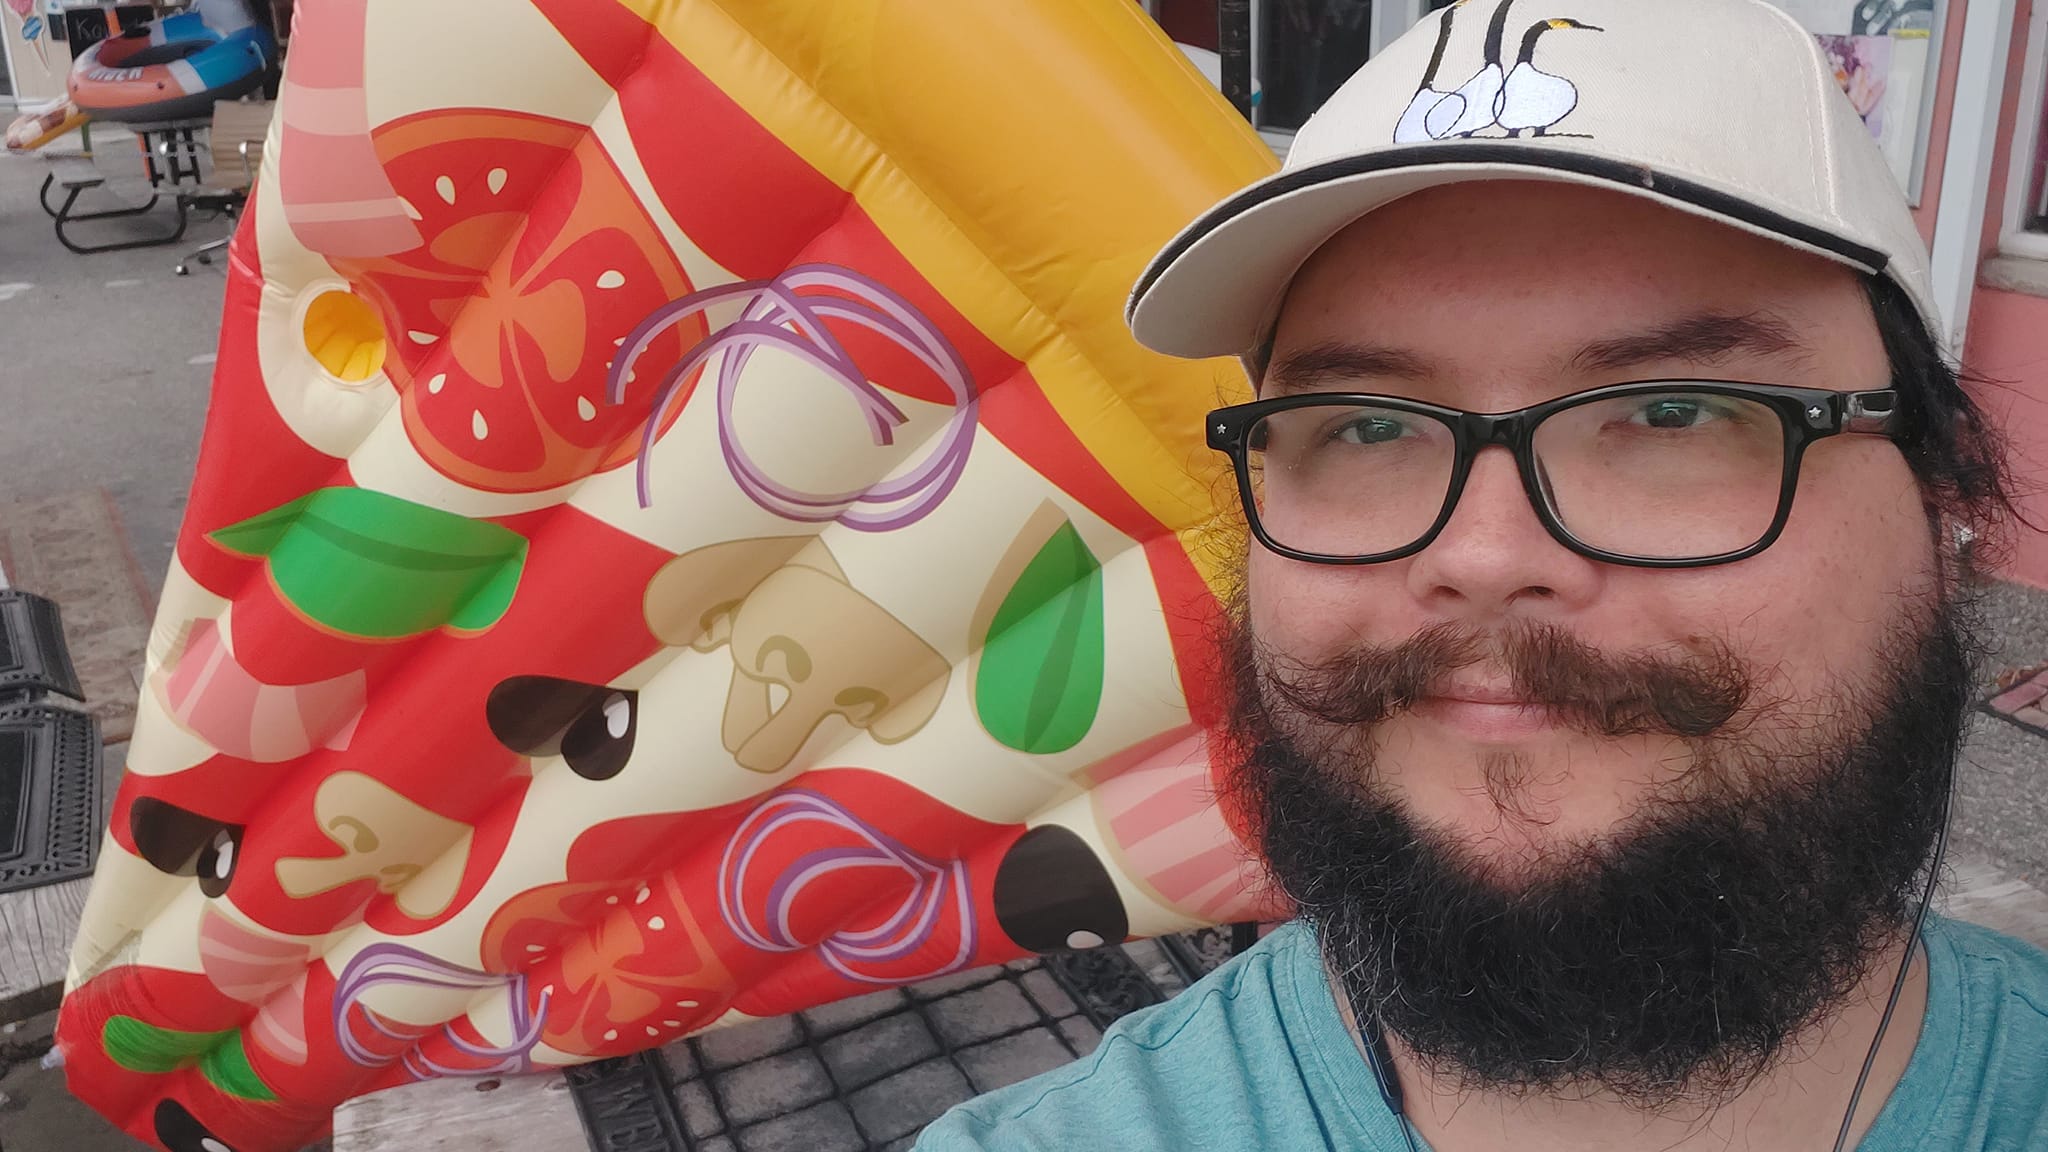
(105,361)
(2002,784)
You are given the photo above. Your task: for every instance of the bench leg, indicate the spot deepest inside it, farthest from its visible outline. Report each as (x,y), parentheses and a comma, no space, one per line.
(63,211)
(64,216)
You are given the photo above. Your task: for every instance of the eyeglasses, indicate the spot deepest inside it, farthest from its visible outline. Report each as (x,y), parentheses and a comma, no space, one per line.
(1654,474)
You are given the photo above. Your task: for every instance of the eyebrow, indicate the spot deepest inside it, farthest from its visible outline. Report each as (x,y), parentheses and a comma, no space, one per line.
(1706,338)
(1309,368)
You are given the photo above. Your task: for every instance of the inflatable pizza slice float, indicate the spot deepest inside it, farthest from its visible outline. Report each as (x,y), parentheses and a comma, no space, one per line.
(681,535)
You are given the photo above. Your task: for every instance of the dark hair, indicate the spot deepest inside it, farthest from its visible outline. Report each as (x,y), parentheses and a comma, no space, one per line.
(1957,455)
(1954,451)
(1259,359)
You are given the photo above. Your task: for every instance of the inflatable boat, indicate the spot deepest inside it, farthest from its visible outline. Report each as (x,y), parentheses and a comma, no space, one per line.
(174,68)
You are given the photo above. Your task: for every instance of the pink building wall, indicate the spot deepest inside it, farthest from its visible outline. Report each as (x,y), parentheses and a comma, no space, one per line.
(2008,350)
(2006,347)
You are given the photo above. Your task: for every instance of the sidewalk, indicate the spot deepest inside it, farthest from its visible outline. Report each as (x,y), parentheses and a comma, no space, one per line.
(2001,810)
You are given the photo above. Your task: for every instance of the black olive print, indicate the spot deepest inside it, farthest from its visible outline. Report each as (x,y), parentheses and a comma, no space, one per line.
(529,713)
(179,1131)
(1052,893)
(216,864)
(600,741)
(589,725)
(184,843)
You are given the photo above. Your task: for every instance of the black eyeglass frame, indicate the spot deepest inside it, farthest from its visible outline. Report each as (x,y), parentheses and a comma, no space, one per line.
(1805,415)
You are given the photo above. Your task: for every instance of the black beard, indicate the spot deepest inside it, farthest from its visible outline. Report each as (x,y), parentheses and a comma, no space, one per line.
(1671,961)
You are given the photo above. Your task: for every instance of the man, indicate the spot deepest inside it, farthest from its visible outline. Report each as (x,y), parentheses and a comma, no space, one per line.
(1604,745)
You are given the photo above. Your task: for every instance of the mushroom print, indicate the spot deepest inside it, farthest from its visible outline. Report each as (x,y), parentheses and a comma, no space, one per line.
(805,646)
(384,838)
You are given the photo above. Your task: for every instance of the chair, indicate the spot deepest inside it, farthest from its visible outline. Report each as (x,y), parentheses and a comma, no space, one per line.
(236,144)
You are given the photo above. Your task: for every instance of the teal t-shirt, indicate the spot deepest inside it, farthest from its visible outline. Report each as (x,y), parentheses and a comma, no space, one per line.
(1255,1056)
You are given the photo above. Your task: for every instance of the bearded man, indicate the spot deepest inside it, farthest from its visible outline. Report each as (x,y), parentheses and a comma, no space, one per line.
(1604,637)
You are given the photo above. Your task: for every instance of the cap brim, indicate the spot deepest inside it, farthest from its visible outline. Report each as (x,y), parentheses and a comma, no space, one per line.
(1215,289)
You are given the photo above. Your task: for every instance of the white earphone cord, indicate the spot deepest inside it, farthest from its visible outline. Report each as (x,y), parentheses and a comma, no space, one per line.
(1906,965)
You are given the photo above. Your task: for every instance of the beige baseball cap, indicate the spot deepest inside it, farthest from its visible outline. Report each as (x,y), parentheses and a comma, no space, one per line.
(1727,109)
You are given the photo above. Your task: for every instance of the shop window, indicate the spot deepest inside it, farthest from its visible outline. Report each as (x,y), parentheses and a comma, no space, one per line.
(1191,22)
(2036,210)
(2026,215)
(1305,49)
(1301,49)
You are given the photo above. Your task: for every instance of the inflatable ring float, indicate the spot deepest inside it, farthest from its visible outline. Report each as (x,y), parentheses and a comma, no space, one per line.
(174,68)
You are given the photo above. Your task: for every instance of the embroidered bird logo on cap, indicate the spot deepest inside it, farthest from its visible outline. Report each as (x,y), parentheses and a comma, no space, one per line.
(1524,99)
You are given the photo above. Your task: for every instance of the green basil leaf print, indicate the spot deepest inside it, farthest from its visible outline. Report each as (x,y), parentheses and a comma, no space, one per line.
(226,1067)
(374,566)
(143,1047)
(1040,679)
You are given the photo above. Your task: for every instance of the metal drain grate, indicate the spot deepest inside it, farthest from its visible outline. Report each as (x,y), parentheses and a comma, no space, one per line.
(49,795)
(2022,698)
(867,1074)
(626,1106)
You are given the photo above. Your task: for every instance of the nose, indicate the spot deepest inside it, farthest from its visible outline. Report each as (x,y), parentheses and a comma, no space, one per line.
(1495,559)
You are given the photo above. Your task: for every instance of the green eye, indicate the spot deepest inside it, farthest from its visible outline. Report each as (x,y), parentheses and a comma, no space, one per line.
(1674,412)
(1370,430)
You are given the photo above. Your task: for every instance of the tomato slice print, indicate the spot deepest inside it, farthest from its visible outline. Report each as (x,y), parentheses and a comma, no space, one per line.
(536,259)
(646,975)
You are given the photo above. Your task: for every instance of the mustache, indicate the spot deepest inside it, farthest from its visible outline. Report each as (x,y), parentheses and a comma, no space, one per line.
(1690,693)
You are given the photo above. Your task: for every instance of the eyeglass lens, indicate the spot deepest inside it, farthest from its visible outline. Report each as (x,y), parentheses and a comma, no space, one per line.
(1657,476)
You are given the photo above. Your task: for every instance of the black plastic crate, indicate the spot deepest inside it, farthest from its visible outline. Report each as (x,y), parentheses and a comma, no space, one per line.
(33,657)
(49,795)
